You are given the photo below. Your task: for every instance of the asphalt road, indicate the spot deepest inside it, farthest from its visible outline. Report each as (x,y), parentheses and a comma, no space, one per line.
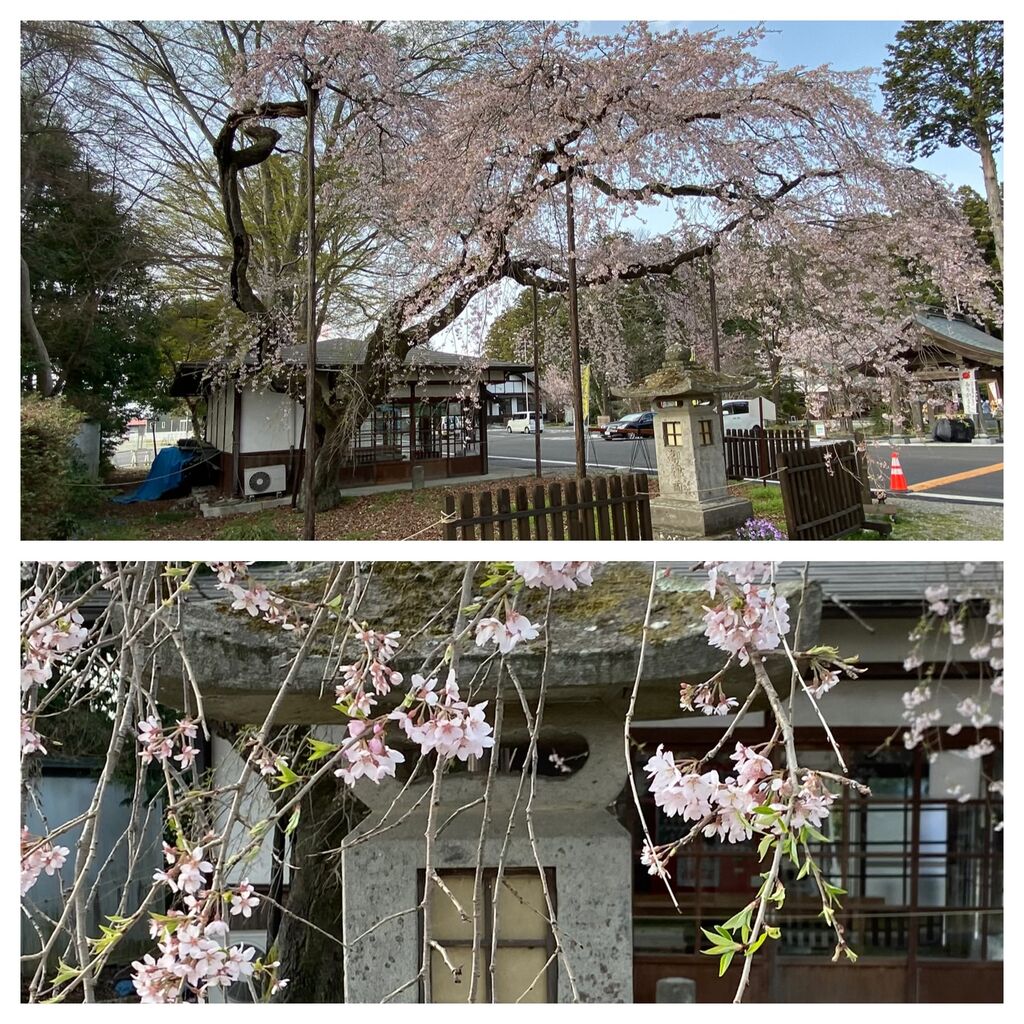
(953,471)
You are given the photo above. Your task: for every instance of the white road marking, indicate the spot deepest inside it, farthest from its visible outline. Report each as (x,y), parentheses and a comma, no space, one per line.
(938,496)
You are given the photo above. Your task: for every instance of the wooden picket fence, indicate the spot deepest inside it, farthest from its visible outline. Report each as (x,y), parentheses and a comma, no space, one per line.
(591,508)
(823,492)
(755,453)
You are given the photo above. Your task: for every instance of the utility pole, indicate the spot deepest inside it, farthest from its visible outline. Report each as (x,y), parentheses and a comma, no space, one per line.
(536,389)
(309,477)
(716,356)
(574,333)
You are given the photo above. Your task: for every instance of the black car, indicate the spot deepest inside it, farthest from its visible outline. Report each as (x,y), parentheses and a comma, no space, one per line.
(636,424)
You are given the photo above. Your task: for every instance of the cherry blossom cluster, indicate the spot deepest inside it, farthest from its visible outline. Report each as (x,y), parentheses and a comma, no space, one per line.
(556,575)
(31,741)
(826,668)
(48,643)
(749,615)
(370,668)
(38,856)
(45,645)
(444,721)
(192,939)
(709,698)
(253,597)
(733,808)
(947,616)
(368,754)
(158,745)
(507,634)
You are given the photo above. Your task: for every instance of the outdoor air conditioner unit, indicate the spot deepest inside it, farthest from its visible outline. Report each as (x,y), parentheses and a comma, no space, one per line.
(266,480)
(240,991)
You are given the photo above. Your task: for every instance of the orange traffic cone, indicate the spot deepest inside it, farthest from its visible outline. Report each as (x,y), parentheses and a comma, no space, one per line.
(897,479)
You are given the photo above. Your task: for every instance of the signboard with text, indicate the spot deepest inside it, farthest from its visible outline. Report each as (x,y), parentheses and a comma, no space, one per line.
(969,392)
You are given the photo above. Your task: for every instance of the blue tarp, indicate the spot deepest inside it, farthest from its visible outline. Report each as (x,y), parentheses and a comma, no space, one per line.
(164,475)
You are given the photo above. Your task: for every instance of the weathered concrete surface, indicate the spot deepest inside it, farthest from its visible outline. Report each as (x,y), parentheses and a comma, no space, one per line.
(240,662)
(588,850)
(577,837)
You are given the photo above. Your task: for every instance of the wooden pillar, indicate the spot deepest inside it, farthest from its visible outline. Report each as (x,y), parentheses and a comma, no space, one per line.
(412,426)
(915,873)
(236,443)
(482,427)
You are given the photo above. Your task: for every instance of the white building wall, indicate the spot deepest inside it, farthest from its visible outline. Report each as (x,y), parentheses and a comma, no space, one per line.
(268,422)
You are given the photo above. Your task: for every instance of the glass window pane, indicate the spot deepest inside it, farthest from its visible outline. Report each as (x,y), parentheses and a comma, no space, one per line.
(446,987)
(447,923)
(522,911)
(516,973)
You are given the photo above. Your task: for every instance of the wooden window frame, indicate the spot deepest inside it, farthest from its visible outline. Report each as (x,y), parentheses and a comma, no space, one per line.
(489,877)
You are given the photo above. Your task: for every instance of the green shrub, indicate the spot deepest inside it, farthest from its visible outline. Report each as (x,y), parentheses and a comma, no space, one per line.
(52,495)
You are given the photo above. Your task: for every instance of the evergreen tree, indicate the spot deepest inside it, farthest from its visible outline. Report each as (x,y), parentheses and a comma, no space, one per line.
(944,86)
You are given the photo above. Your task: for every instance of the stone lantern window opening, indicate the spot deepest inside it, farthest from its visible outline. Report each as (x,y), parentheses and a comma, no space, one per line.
(559,755)
(525,940)
(673,433)
(707,432)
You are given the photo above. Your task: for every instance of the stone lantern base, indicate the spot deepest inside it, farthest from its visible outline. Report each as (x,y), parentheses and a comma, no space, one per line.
(673,517)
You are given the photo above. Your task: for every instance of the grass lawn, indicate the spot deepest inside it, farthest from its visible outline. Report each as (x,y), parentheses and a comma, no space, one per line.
(917,521)
(404,514)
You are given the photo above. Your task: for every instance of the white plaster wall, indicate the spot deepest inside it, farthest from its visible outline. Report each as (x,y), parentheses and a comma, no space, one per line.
(256,806)
(888,640)
(952,773)
(878,702)
(268,422)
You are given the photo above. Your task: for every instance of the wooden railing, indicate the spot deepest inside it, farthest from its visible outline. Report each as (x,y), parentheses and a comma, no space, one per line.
(592,508)
(823,492)
(754,453)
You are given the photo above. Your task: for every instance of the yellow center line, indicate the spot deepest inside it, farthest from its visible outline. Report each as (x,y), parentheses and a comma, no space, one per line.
(968,474)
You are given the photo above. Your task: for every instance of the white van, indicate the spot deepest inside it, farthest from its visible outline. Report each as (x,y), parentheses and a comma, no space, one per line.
(524,423)
(743,413)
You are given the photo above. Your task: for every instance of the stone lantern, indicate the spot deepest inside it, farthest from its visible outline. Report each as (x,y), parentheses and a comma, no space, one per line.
(362,883)
(694,498)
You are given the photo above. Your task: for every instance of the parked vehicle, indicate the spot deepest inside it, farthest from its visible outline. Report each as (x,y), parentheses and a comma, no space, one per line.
(453,425)
(743,413)
(636,424)
(525,423)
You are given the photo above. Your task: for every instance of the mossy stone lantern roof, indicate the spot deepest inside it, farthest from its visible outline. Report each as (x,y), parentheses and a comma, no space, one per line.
(680,377)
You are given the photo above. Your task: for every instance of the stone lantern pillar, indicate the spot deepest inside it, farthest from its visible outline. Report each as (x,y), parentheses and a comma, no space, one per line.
(694,498)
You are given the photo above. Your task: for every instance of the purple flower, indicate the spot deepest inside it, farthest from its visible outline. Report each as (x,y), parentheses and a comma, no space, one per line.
(759,529)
